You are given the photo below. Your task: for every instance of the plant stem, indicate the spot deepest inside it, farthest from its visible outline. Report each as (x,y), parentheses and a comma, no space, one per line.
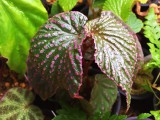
(157,78)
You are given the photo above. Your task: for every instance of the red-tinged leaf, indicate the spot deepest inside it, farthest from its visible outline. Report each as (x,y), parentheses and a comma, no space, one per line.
(55,58)
(116,49)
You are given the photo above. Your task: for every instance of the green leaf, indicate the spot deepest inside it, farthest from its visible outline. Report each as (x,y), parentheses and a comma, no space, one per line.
(104,94)
(118,117)
(121,117)
(143,116)
(135,23)
(55,58)
(116,49)
(152,32)
(19,21)
(107,116)
(67,5)
(17,105)
(100,116)
(98,3)
(70,113)
(121,8)
(156,114)
(55,8)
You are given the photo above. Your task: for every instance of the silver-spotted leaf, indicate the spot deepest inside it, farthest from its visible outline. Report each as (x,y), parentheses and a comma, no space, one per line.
(116,49)
(17,105)
(19,21)
(104,94)
(55,58)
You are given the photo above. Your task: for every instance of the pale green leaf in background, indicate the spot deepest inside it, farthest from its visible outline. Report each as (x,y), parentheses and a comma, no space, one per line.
(156,114)
(121,8)
(135,23)
(19,21)
(67,5)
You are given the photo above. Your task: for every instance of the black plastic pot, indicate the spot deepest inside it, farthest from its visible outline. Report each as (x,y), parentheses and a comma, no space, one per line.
(138,96)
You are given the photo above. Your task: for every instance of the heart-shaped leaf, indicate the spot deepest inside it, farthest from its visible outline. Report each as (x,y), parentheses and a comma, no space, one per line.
(17,105)
(104,94)
(19,21)
(55,58)
(116,49)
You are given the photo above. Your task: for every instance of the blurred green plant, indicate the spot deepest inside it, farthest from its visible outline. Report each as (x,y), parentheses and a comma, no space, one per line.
(19,21)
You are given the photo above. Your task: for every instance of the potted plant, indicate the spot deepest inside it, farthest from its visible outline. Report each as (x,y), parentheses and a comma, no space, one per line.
(61,54)
(56,58)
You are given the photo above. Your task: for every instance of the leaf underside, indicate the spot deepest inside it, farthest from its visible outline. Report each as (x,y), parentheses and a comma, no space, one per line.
(55,58)
(16,105)
(19,21)
(116,49)
(104,94)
